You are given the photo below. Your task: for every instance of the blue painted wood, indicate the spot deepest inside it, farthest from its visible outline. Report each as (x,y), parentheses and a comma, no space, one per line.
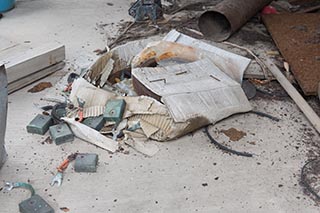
(6,5)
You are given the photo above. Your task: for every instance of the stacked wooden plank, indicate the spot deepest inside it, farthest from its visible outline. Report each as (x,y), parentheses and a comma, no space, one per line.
(26,64)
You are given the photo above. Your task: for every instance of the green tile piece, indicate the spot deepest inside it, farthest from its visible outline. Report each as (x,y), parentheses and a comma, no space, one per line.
(61,133)
(96,123)
(40,124)
(86,163)
(114,110)
(35,204)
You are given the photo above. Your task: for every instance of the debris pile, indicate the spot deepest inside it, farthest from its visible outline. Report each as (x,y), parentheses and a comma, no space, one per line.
(143,91)
(151,90)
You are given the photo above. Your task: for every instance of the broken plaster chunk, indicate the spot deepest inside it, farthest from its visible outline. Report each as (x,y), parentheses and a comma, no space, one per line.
(86,163)
(61,133)
(40,124)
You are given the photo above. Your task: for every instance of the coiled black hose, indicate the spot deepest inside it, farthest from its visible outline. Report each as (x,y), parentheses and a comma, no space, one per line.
(262,114)
(305,183)
(224,148)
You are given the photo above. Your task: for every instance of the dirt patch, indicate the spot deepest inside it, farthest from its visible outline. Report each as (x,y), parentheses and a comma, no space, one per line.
(234,134)
(252,33)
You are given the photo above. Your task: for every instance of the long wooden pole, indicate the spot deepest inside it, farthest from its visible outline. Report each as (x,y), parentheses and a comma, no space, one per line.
(294,94)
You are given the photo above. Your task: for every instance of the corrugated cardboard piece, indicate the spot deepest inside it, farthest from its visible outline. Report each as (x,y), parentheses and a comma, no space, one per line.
(117,59)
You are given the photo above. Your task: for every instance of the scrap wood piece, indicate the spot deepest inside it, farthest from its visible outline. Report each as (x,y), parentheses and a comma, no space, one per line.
(20,83)
(264,70)
(294,94)
(146,30)
(30,61)
(26,64)
(306,6)
(298,39)
(92,136)
(113,43)
(8,47)
(310,9)
(40,87)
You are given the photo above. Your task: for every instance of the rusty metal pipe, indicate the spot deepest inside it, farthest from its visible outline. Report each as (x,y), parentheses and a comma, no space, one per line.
(228,16)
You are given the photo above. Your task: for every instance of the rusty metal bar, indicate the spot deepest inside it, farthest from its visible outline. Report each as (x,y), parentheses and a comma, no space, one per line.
(228,16)
(3,112)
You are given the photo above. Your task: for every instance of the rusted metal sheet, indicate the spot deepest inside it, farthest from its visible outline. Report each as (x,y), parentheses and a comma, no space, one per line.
(298,39)
(3,112)
(228,16)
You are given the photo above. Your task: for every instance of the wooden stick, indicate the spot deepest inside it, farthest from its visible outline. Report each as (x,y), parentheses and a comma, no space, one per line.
(258,60)
(310,9)
(294,94)
(122,34)
(118,39)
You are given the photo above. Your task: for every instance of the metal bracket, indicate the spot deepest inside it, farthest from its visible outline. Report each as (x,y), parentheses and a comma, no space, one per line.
(142,9)
(11,185)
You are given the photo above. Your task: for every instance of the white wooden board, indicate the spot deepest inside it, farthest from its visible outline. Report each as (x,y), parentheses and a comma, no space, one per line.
(32,60)
(18,84)
(26,64)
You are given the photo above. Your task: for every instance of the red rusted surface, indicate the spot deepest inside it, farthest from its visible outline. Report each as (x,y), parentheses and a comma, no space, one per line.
(298,39)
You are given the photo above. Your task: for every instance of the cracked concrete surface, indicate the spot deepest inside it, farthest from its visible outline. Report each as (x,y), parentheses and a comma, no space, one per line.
(187,175)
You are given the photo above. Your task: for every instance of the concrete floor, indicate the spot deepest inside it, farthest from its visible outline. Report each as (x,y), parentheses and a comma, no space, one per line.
(187,175)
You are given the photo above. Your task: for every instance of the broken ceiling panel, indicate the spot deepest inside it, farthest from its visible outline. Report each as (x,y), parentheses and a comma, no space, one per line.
(230,63)
(193,90)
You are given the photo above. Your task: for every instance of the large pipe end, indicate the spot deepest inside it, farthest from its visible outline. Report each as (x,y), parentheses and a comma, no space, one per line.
(215,25)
